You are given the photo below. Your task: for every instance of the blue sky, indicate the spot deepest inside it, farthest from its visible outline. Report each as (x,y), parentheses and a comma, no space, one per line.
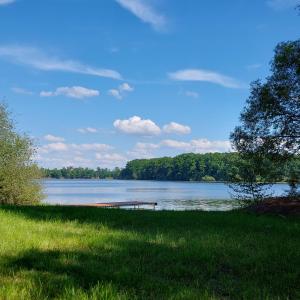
(98,83)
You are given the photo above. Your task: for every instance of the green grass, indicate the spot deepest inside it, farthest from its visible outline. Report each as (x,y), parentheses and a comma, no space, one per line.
(89,253)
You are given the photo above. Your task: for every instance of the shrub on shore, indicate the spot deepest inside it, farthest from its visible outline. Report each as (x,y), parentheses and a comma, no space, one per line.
(18,172)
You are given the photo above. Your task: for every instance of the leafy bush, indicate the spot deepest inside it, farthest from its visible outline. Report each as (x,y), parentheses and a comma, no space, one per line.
(18,172)
(253,183)
(208,178)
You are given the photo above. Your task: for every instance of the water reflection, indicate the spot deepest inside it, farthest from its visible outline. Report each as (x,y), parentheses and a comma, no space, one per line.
(169,195)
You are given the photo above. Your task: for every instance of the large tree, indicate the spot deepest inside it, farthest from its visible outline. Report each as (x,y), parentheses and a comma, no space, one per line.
(270,122)
(271,118)
(18,173)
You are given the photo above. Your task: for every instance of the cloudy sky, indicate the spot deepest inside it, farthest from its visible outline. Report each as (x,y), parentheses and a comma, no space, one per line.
(98,83)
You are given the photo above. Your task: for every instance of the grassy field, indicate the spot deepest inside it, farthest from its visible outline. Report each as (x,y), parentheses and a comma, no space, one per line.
(89,253)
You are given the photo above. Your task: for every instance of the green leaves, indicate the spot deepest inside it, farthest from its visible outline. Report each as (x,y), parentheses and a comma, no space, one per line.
(18,173)
(271,118)
(270,123)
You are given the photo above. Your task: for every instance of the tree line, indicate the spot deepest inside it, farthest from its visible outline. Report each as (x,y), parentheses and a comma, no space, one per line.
(81,173)
(184,167)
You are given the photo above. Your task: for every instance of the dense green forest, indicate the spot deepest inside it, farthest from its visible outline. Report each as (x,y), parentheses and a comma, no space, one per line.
(184,167)
(81,173)
(197,167)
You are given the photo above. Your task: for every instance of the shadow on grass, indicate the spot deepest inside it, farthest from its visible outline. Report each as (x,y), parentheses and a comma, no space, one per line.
(137,269)
(229,255)
(142,270)
(151,221)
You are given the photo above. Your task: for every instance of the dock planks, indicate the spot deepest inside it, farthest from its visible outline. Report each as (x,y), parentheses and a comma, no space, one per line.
(134,204)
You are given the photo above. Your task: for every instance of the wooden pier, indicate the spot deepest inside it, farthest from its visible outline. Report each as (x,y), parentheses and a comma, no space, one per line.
(134,204)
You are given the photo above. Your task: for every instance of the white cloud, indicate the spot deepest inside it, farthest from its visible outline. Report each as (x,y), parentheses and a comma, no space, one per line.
(4,2)
(87,130)
(110,160)
(110,157)
(70,154)
(63,154)
(125,87)
(91,161)
(175,144)
(115,93)
(176,128)
(205,76)
(53,147)
(76,148)
(192,94)
(91,147)
(136,125)
(77,92)
(282,4)
(143,150)
(145,146)
(204,145)
(37,59)
(59,154)
(91,130)
(121,91)
(81,160)
(144,12)
(21,91)
(146,150)
(53,138)
(46,94)
(198,145)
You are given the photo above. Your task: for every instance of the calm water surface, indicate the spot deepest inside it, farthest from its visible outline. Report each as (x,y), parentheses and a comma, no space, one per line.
(168,194)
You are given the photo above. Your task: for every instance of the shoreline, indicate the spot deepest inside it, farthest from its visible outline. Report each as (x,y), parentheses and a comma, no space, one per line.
(150,180)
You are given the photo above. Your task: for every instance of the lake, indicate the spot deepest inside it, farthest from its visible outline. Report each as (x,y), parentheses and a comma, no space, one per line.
(169,195)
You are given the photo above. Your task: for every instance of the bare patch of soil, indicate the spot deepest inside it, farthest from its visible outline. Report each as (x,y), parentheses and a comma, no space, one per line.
(277,205)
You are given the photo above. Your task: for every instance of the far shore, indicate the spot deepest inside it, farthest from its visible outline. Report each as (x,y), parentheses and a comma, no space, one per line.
(154,180)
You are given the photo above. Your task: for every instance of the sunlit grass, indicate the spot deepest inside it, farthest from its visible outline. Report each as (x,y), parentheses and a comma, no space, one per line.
(90,253)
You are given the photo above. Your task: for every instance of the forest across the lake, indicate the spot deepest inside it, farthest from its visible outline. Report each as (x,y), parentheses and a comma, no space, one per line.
(184,167)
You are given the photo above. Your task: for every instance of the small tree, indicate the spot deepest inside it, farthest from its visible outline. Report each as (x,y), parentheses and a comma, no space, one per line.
(18,173)
(294,177)
(251,185)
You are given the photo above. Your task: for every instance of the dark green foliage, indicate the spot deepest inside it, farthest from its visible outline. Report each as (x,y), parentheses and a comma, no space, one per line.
(185,167)
(293,179)
(271,118)
(270,129)
(18,173)
(90,253)
(203,167)
(81,173)
(252,185)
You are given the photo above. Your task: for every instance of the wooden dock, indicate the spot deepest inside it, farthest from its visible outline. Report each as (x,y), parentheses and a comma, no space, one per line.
(134,204)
